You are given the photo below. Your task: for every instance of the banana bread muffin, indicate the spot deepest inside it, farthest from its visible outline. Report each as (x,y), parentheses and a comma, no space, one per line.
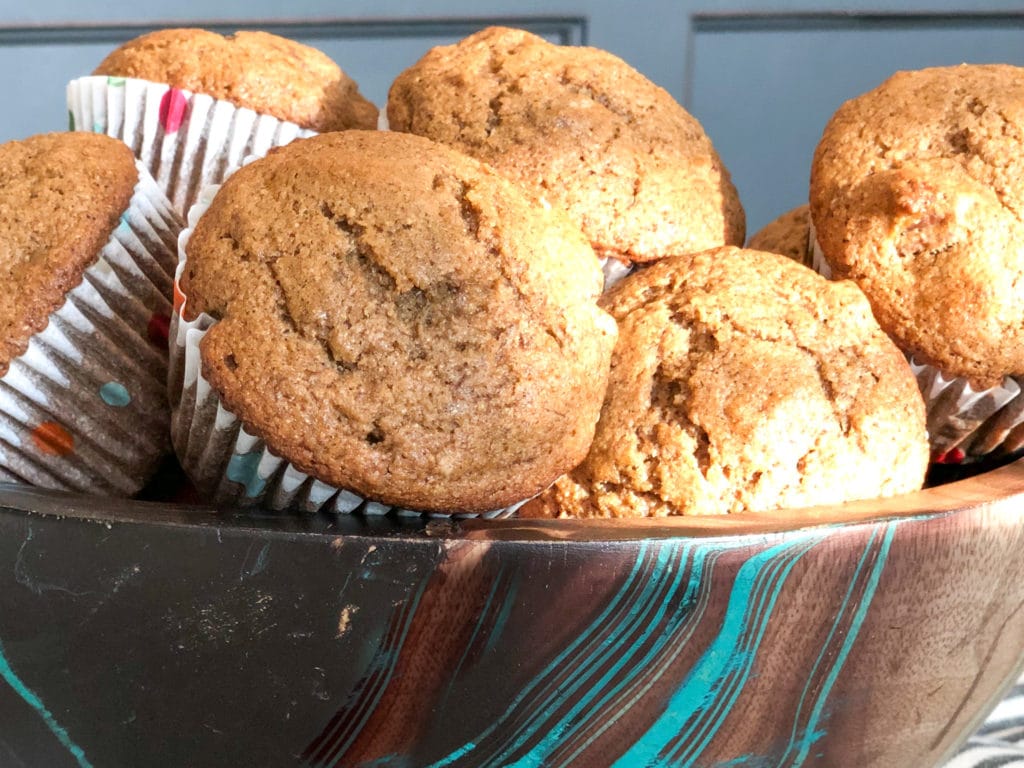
(744,382)
(398,320)
(256,70)
(917,189)
(193,104)
(786,235)
(581,129)
(62,196)
(916,193)
(86,248)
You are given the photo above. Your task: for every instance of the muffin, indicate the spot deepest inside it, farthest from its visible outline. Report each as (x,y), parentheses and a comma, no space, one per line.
(581,129)
(744,382)
(916,189)
(192,103)
(786,235)
(87,244)
(385,316)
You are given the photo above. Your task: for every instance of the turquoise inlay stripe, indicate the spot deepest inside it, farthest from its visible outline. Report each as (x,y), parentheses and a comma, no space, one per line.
(12,679)
(840,615)
(666,646)
(720,659)
(484,613)
(721,690)
(623,651)
(769,583)
(595,655)
(851,636)
(596,626)
(388,761)
(387,662)
(715,546)
(502,619)
(697,585)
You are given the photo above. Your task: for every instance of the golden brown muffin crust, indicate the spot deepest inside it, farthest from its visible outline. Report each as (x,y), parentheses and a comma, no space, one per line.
(743,382)
(582,129)
(917,194)
(400,320)
(786,235)
(61,195)
(263,72)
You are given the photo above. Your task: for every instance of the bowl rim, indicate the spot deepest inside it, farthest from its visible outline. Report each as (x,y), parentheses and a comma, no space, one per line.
(998,490)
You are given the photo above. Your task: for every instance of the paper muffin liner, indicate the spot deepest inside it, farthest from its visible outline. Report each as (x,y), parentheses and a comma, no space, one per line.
(227,464)
(614,270)
(84,408)
(186,140)
(964,423)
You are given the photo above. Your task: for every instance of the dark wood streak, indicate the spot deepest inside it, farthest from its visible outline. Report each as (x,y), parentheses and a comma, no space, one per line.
(993,646)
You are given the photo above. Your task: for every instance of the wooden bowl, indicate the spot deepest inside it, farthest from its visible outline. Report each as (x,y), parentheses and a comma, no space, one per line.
(878,633)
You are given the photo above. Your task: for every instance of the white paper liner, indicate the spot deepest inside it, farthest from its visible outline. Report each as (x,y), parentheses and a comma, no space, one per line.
(614,270)
(964,424)
(227,464)
(818,263)
(1002,433)
(84,408)
(186,140)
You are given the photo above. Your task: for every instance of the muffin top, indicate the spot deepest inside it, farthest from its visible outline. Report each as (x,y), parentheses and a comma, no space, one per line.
(744,382)
(257,70)
(917,193)
(786,235)
(61,195)
(581,129)
(398,319)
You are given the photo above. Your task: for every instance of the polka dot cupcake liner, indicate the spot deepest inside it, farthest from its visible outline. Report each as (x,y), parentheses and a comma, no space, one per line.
(186,140)
(228,465)
(964,424)
(84,408)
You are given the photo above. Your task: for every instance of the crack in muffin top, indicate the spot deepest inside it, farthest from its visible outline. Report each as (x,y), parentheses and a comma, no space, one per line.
(744,382)
(582,129)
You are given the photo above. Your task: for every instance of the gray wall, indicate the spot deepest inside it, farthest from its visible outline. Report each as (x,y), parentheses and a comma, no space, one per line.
(762,77)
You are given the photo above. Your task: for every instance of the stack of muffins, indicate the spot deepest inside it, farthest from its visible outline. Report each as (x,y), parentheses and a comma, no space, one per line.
(416,319)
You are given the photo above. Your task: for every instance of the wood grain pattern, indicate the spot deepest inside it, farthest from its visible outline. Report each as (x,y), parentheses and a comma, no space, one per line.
(879,635)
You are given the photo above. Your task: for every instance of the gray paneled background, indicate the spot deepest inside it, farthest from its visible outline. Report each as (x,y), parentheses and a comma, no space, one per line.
(762,77)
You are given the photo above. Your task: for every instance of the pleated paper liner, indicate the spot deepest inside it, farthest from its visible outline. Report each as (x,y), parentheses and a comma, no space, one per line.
(964,424)
(186,140)
(614,270)
(226,464)
(85,408)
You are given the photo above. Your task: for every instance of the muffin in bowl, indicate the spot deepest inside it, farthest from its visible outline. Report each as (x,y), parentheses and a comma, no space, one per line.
(192,103)
(87,248)
(395,319)
(744,382)
(581,129)
(916,192)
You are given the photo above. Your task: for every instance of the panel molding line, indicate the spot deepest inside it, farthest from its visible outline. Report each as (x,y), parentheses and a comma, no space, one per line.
(566,30)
